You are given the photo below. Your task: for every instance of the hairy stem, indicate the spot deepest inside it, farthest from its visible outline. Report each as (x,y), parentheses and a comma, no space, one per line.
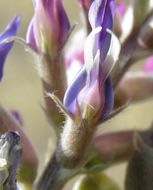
(53,80)
(112,149)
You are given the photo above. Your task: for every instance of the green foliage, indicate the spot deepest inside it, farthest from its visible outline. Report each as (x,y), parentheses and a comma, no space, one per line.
(95,181)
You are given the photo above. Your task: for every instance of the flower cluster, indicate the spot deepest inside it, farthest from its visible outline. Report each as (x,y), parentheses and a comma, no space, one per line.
(85,82)
(99,57)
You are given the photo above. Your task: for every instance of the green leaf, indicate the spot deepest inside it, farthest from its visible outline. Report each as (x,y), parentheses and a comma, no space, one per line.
(95,181)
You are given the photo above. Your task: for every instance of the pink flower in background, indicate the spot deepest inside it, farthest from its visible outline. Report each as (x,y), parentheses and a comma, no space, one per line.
(148,65)
(74,54)
(121,8)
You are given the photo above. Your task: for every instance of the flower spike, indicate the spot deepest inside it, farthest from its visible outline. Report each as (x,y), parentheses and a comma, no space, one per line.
(101,51)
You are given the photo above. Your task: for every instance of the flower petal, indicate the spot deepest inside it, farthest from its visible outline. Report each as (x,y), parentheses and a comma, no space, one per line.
(63,20)
(148,65)
(90,52)
(109,99)
(74,89)
(127,23)
(101,14)
(10,31)
(112,56)
(30,38)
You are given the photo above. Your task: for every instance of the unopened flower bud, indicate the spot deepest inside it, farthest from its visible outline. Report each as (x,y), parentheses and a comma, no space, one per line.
(47,33)
(49,27)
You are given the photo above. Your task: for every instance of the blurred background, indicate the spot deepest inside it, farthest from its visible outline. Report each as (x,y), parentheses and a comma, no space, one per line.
(21,88)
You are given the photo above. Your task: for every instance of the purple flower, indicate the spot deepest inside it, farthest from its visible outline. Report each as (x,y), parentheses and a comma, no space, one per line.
(148,65)
(91,91)
(10,31)
(49,26)
(101,14)
(121,8)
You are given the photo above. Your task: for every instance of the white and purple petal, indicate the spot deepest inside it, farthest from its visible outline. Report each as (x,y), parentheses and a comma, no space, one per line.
(111,57)
(101,14)
(90,54)
(73,90)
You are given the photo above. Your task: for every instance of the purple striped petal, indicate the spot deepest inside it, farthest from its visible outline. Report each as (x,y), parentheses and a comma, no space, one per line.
(109,99)
(101,14)
(74,89)
(10,31)
(104,37)
(112,56)
(92,55)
